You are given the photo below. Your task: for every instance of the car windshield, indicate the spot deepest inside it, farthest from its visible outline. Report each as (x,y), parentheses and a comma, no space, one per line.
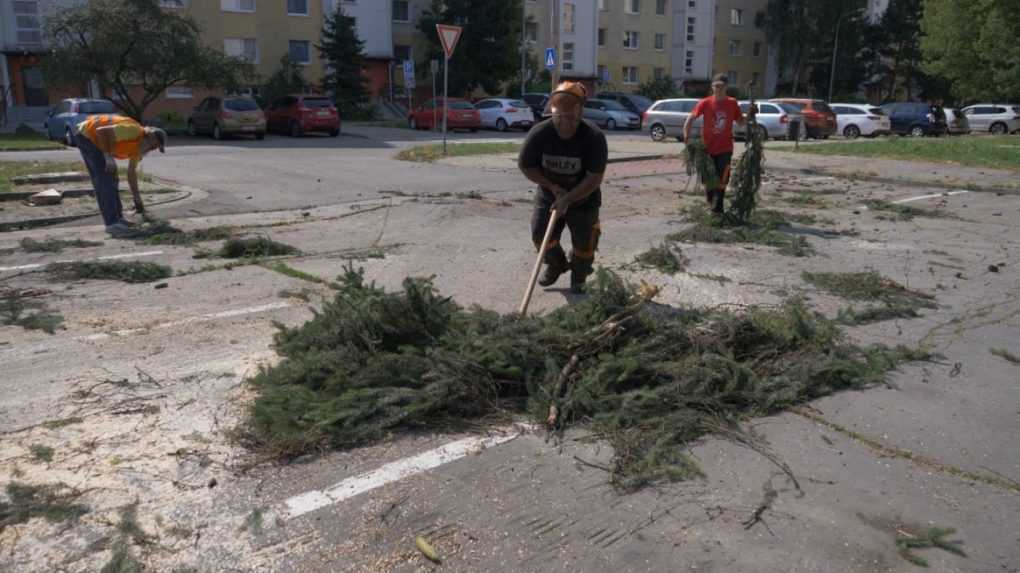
(611,105)
(641,101)
(461,105)
(518,103)
(96,107)
(318,102)
(790,107)
(242,104)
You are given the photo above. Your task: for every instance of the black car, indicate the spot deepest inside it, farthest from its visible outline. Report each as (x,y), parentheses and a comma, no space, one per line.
(915,119)
(536,101)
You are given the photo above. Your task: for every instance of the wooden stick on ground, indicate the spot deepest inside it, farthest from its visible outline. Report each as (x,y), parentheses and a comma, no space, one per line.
(538,263)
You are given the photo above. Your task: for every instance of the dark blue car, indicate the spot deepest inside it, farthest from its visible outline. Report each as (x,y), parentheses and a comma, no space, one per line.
(914,119)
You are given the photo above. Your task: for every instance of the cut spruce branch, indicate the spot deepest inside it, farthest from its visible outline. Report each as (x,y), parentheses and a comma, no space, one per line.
(649,378)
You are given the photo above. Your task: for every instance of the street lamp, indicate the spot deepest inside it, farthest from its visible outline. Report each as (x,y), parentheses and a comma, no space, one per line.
(835,47)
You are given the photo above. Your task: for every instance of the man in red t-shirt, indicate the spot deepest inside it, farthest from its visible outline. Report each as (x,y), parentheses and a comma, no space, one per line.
(719,112)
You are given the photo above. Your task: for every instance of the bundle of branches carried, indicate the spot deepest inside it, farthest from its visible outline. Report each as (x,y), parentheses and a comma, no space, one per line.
(746,177)
(648,378)
(699,163)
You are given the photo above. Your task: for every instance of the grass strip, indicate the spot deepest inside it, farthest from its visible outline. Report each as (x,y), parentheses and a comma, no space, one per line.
(433,152)
(1000,152)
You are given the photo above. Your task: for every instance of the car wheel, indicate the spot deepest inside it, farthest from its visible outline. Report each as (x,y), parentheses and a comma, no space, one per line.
(334,133)
(192,131)
(260,136)
(500,124)
(998,128)
(412,123)
(68,137)
(852,132)
(916,131)
(658,132)
(611,124)
(295,129)
(217,133)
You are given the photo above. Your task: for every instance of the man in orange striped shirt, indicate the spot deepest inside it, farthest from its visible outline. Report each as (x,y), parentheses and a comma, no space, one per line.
(102,139)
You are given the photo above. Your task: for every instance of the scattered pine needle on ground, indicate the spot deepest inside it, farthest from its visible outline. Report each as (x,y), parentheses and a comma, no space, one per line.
(22,308)
(54,502)
(934,537)
(897,300)
(648,378)
(124,271)
(764,228)
(254,248)
(666,257)
(30,245)
(1005,355)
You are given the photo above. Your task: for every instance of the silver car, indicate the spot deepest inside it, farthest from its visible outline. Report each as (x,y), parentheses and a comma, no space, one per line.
(956,122)
(774,120)
(666,118)
(62,121)
(619,116)
(994,118)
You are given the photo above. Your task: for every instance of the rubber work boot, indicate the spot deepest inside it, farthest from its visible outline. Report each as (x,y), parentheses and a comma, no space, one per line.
(577,282)
(551,274)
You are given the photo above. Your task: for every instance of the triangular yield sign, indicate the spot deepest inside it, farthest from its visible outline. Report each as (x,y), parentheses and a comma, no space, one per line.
(449,35)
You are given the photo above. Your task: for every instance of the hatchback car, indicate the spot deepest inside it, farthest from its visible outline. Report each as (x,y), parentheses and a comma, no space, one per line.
(666,118)
(774,120)
(634,103)
(854,120)
(995,118)
(303,113)
(460,114)
(914,119)
(61,122)
(226,116)
(504,113)
(818,117)
(619,116)
(956,122)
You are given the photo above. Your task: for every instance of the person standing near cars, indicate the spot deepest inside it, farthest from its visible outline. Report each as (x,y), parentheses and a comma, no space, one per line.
(719,112)
(102,139)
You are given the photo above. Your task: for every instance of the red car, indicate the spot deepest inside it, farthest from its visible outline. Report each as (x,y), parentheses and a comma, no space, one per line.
(461,114)
(819,118)
(300,114)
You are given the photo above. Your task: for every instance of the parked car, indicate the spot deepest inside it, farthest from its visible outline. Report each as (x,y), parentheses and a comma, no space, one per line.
(914,119)
(226,116)
(461,114)
(537,101)
(634,103)
(956,122)
(62,121)
(666,118)
(597,116)
(774,120)
(818,118)
(504,113)
(302,113)
(619,116)
(995,118)
(854,120)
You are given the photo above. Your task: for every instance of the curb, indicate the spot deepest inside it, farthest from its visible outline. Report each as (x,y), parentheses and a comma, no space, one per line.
(49,221)
(22,195)
(632,158)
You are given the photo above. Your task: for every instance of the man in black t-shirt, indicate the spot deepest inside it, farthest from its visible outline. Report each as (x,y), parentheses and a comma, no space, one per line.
(566,156)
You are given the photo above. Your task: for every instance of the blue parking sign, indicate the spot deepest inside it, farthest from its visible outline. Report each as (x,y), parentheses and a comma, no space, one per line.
(550,58)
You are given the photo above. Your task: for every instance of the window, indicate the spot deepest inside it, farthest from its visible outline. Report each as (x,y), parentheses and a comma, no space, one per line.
(736,17)
(568,17)
(568,56)
(660,73)
(401,11)
(603,73)
(299,51)
(245,48)
(602,37)
(173,3)
(731,77)
(237,5)
(734,47)
(754,78)
(660,7)
(179,92)
(27,18)
(660,41)
(297,7)
(691,4)
(757,49)
(689,63)
(630,74)
(401,53)
(602,5)
(531,31)
(630,40)
(766,108)
(690,28)
(632,6)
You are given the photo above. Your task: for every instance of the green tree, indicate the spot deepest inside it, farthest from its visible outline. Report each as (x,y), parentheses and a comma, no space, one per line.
(661,88)
(287,79)
(344,54)
(974,46)
(126,44)
(488,52)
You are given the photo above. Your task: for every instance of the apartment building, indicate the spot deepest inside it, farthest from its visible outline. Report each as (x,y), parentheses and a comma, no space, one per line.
(635,39)
(740,49)
(21,43)
(691,56)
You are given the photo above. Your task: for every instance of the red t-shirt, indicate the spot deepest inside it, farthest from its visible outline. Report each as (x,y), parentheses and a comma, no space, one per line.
(719,116)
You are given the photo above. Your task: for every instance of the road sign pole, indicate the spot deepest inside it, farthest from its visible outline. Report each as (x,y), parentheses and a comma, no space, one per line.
(446,98)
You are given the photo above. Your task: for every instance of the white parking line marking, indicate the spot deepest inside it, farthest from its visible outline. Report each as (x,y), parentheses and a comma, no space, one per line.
(931,196)
(391,472)
(103,258)
(190,320)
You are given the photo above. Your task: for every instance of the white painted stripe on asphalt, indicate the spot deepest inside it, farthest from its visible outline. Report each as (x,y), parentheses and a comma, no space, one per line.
(103,258)
(394,471)
(191,320)
(931,196)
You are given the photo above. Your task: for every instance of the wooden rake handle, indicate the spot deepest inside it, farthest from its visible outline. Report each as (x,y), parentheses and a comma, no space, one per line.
(538,264)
